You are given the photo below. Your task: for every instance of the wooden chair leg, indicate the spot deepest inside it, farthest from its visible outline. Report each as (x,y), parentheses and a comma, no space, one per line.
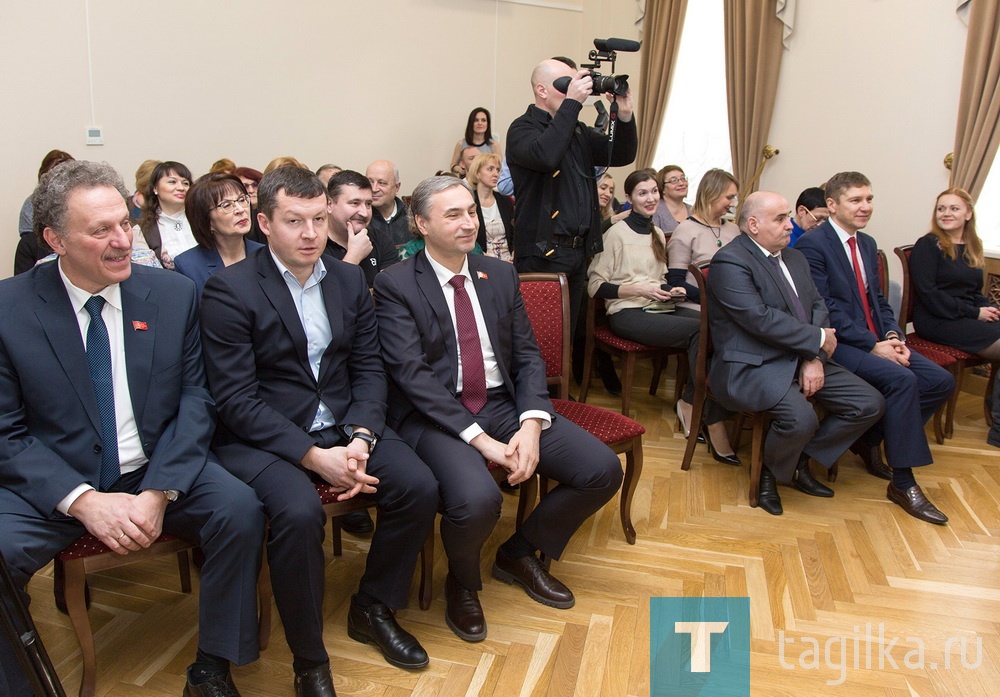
(75,579)
(184,569)
(628,379)
(633,470)
(265,595)
(756,457)
(527,494)
(588,369)
(427,571)
(697,415)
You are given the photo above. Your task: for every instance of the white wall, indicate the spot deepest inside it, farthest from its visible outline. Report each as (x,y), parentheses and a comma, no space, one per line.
(320,80)
(870,86)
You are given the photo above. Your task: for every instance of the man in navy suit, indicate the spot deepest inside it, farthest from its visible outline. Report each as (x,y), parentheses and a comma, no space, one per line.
(293,360)
(106,420)
(844,265)
(471,388)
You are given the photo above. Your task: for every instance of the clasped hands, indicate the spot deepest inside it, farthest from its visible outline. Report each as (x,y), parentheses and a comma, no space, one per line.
(343,467)
(123,522)
(519,456)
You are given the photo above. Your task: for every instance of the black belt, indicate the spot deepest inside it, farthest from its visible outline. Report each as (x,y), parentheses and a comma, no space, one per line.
(569,242)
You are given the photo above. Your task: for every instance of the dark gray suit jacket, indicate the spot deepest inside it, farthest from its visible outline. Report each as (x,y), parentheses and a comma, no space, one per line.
(758,340)
(50,425)
(421,352)
(258,364)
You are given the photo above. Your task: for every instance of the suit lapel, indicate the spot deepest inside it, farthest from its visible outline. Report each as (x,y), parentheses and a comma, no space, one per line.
(770,270)
(276,290)
(486,290)
(139,324)
(840,255)
(61,327)
(427,281)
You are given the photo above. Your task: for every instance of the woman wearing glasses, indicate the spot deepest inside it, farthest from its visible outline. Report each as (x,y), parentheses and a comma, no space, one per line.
(218,208)
(672,210)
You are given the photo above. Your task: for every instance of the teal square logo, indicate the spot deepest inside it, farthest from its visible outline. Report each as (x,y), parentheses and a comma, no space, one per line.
(699,647)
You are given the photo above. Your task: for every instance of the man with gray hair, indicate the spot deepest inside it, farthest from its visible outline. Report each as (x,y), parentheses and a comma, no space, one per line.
(773,342)
(388,210)
(470,388)
(106,420)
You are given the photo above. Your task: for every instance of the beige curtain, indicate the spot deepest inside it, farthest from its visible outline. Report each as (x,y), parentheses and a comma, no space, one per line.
(977,138)
(753,59)
(661,38)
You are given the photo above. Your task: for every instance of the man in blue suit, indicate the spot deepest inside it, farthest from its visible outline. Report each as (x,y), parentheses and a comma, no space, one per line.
(844,266)
(106,420)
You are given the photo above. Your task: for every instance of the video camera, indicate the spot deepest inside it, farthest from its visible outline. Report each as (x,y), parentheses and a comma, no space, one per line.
(605,50)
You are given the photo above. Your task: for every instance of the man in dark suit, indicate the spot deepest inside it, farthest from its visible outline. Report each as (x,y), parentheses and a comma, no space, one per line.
(105,419)
(772,342)
(292,355)
(471,388)
(844,266)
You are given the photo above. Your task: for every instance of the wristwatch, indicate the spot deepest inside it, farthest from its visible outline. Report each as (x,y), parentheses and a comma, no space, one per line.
(370,438)
(170,495)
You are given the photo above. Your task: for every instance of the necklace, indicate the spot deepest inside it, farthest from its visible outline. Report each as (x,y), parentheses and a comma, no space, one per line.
(716,231)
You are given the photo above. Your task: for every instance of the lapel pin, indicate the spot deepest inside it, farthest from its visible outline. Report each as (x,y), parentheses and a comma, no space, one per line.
(139,325)
(481,274)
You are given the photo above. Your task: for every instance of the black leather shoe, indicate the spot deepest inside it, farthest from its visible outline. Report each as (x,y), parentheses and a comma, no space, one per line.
(357,523)
(464,613)
(376,624)
(916,504)
(803,480)
(871,455)
(767,494)
(730,459)
(218,686)
(315,682)
(538,583)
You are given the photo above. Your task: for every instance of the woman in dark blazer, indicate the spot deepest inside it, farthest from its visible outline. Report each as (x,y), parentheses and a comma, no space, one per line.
(218,209)
(495,211)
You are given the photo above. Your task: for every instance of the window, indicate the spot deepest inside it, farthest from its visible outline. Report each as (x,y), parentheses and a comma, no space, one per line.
(695,132)
(988,209)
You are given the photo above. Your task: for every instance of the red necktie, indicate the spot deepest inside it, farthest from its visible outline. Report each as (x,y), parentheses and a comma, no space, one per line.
(861,284)
(470,349)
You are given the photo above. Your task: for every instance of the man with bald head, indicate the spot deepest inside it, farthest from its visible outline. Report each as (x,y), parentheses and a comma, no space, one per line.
(551,156)
(772,338)
(388,209)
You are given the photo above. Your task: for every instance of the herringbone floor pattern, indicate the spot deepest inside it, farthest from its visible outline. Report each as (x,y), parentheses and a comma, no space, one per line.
(821,579)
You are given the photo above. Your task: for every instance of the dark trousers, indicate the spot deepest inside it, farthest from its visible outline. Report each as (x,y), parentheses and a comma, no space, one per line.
(851,407)
(220,513)
(588,473)
(912,395)
(407,500)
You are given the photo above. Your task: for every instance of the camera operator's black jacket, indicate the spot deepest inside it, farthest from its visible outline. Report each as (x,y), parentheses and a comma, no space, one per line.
(537,147)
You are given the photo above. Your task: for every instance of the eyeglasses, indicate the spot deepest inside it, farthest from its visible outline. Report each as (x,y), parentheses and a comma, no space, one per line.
(226,205)
(676,180)
(818,221)
(250,185)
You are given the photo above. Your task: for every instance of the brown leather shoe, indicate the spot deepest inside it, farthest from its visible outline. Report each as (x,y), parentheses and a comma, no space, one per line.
(464,613)
(538,583)
(916,504)
(871,455)
(218,686)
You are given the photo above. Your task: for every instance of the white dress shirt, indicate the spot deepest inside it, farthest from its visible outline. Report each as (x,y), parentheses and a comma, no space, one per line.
(130,453)
(493,376)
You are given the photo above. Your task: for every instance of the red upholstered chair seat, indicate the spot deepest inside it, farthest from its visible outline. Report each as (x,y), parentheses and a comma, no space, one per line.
(610,427)
(89,546)
(606,336)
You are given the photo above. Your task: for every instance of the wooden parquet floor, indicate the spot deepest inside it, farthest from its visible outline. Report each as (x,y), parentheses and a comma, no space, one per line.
(823,572)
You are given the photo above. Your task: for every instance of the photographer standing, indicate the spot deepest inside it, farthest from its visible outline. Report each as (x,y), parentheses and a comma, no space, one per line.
(552,155)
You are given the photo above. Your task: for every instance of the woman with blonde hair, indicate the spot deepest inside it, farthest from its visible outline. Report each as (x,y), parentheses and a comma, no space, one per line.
(706,231)
(946,268)
(495,211)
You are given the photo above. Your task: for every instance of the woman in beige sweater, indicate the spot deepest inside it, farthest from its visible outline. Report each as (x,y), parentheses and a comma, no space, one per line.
(630,276)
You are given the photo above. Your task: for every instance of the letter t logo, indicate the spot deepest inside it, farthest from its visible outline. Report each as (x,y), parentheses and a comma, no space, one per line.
(701,642)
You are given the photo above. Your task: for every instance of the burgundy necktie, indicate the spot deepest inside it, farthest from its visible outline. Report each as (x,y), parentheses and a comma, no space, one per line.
(861,284)
(470,349)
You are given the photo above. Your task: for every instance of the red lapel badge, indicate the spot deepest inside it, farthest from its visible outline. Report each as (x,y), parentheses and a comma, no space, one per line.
(139,325)
(481,275)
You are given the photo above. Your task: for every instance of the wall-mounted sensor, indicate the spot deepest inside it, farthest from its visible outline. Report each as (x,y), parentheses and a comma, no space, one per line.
(95,136)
